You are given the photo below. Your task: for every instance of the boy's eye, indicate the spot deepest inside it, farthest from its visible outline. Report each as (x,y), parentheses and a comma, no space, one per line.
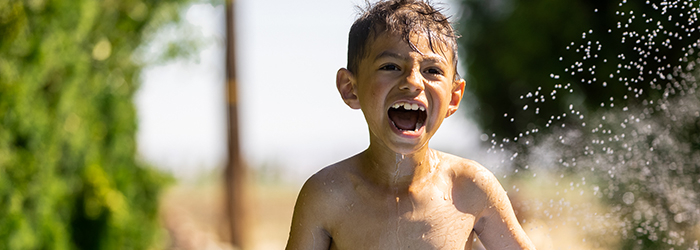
(434,71)
(389,67)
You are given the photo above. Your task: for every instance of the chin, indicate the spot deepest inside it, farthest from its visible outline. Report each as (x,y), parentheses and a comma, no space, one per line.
(408,148)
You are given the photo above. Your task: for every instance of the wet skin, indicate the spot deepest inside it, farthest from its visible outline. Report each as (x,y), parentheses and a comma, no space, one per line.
(399,193)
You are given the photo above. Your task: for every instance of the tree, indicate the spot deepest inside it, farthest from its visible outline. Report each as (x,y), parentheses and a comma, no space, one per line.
(514,47)
(619,81)
(69,178)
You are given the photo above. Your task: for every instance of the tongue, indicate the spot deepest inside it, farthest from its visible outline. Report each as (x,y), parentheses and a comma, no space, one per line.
(404,119)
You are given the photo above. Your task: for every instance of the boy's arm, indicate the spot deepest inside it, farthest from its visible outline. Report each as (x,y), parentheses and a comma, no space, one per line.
(497,226)
(307,230)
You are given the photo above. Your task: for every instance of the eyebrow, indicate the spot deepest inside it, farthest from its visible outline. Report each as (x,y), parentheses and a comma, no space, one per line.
(391,54)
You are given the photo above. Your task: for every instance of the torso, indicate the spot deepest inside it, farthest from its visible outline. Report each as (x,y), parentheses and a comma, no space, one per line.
(437,213)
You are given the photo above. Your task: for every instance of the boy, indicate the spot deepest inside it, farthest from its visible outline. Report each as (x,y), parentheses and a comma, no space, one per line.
(399,193)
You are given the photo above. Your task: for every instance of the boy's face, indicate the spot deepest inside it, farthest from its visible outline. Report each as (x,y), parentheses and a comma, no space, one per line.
(404,94)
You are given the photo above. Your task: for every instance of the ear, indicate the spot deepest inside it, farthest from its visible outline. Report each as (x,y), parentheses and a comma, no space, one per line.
(456,96)
(345,81)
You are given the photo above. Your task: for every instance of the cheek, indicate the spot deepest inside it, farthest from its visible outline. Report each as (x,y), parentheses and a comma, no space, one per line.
(374,94)
(369,100)
(441,93)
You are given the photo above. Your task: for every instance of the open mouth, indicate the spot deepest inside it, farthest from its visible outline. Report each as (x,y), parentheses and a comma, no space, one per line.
(406,116)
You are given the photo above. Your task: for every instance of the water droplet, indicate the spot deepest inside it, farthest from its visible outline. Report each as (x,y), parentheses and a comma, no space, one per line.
(628,198)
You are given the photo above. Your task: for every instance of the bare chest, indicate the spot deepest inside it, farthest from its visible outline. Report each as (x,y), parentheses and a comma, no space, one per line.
(424,220)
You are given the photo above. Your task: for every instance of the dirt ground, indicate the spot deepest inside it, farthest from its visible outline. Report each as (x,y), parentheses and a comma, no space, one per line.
(193,215)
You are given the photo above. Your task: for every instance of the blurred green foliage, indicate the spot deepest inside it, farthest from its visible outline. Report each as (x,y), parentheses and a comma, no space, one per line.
(68,174)
(632,66)
(512,47)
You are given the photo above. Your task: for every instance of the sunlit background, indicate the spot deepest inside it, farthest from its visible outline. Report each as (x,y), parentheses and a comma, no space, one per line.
(292,122)
(589,111)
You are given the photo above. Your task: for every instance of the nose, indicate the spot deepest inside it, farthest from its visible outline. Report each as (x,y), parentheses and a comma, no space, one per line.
(413,81)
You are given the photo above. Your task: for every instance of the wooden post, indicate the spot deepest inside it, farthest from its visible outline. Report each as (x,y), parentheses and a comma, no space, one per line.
(235,171)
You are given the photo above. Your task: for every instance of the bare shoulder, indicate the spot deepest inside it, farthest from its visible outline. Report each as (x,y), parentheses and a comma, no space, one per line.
(474,187)
(325,188)
(478,191)
(468,170)
(317,206)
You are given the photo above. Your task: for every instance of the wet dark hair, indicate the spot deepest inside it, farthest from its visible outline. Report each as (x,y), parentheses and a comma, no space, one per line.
(403,18)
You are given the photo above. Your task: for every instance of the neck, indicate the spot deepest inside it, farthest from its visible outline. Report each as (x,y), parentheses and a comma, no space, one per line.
(395,170)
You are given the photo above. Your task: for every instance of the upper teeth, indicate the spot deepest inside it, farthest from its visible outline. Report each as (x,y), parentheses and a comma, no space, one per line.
(408,106)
